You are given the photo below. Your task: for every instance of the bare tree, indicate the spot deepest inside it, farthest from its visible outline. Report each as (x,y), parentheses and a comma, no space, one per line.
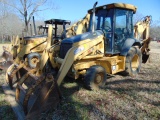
(155,30)
(27,8)
(7,28)
(137,17)
(3,15)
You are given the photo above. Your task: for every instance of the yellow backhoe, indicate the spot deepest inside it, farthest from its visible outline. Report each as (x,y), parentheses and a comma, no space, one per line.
(26,51)
(104,42)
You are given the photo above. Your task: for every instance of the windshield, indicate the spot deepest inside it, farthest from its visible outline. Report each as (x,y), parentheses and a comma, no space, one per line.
(123,27)
(104,21)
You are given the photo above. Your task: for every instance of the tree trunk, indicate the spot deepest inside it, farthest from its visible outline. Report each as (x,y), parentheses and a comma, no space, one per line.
(26,26)
(26,22)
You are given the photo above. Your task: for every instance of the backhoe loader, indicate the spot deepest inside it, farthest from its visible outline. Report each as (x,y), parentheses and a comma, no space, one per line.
(100,44)
(26,51)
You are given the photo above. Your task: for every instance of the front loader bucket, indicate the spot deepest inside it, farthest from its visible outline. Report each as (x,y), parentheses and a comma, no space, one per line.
(37,94)
(145,50)
(145,58)
(48,98)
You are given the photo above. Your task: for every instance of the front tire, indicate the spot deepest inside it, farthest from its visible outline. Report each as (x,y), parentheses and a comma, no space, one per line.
(95,77)
(133,61)
(33,59)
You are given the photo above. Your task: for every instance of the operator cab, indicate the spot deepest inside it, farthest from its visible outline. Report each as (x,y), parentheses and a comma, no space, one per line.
(115,20)
(57,23)
(43,31)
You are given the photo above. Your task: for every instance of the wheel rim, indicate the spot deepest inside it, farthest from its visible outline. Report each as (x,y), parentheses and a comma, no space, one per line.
(135,62)
(34,61)
(99,78)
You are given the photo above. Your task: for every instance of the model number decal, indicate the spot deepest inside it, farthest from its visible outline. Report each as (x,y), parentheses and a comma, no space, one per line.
(78,50)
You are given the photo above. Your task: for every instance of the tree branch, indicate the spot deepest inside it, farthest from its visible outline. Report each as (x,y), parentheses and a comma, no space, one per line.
(22,2)
(31,14)
(21,12)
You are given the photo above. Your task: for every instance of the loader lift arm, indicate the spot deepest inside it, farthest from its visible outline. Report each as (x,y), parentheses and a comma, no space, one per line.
(74,53)
(77,53)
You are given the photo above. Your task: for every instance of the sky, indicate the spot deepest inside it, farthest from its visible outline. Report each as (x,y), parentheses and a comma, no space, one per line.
(76,9)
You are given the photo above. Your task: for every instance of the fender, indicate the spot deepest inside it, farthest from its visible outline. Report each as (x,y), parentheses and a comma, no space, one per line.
(128,44)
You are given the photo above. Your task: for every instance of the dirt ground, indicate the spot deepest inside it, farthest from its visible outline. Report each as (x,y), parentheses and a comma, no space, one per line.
(123,97)
(155,47)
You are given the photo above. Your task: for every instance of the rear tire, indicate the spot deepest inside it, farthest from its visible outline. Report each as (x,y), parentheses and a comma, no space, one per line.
(95,77)
(133,61)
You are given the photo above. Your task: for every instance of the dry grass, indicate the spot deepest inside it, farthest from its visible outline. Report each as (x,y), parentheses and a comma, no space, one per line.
(123,97)
(6,112)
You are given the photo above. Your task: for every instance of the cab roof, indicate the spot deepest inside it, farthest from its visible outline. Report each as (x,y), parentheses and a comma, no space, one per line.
(57,21)
(116,5)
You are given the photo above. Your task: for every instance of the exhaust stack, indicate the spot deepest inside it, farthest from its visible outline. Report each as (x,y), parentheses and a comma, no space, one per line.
(35,32)
(93,18)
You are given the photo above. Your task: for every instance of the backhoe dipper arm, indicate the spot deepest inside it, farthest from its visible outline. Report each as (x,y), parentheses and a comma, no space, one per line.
(141,31)
(78,27)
